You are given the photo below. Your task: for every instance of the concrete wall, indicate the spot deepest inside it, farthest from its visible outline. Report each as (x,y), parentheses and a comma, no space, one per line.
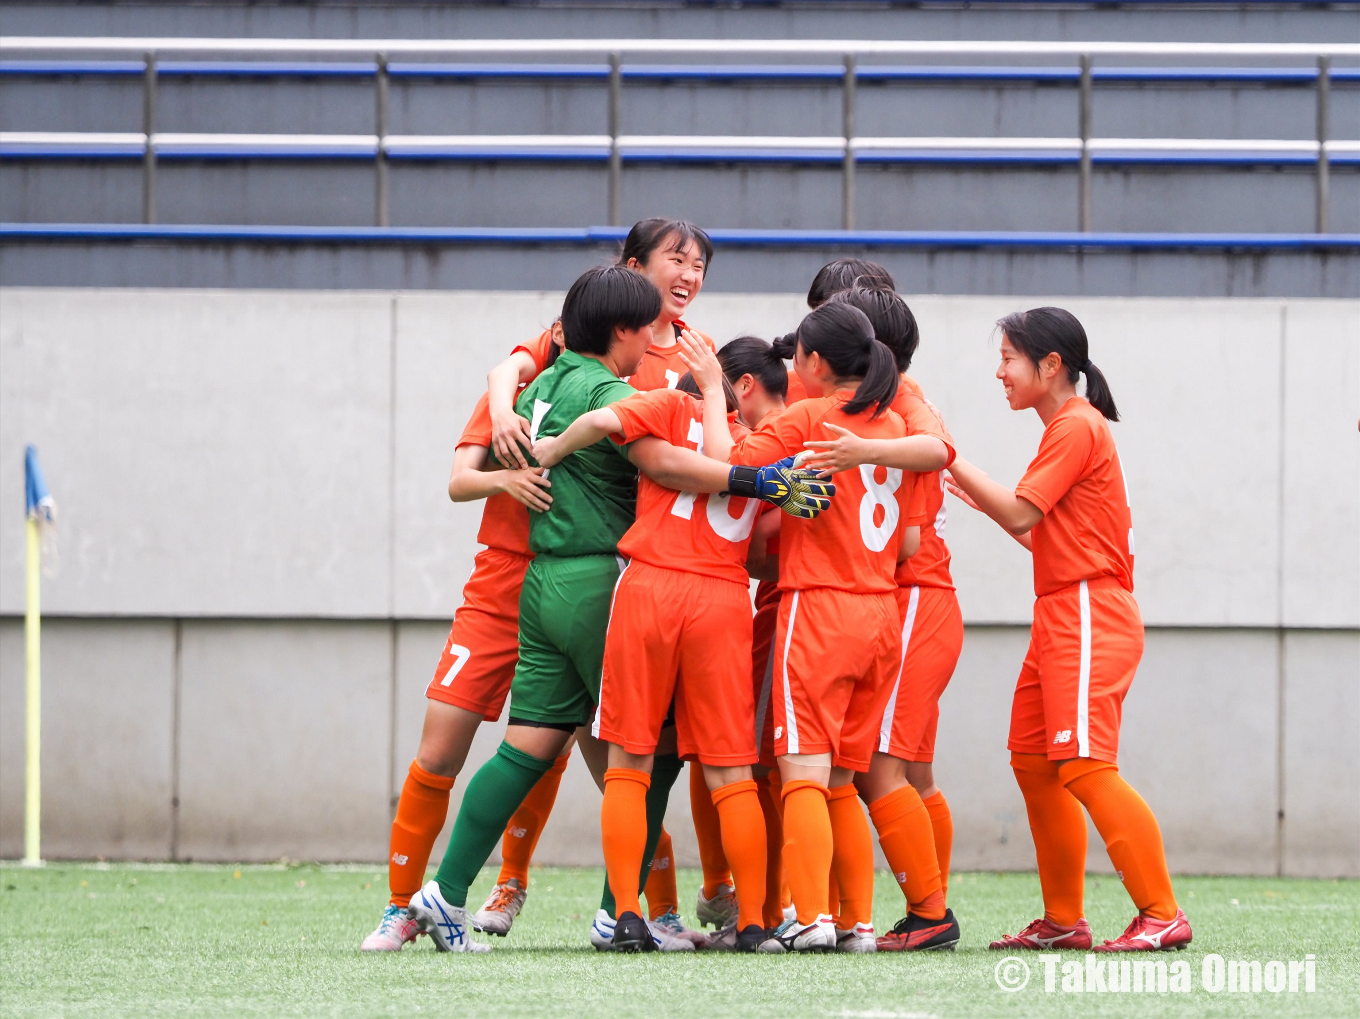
(258,562)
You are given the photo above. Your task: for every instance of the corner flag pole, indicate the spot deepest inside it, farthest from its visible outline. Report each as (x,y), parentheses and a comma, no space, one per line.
(40,510)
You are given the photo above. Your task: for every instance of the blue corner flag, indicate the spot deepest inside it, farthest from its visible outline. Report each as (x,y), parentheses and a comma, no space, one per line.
(39,504)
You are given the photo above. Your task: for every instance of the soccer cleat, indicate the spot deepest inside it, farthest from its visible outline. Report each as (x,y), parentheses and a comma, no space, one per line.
(792,936)
(446,925)
(859,938)
(602,931)
(729,939)
(500,909)
(1146,934)
(1043,935)
(718,911)
(917,934)
(394,930)
(671,923)
(667,940)
(632,934)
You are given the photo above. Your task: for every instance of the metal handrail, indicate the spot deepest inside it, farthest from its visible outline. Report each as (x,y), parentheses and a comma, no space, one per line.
(847,51)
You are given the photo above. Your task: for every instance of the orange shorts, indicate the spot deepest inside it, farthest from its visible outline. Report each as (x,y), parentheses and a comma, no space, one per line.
(836,655)
(762,669)
(932,637)
(1084,647)
(682,636)
(478,662)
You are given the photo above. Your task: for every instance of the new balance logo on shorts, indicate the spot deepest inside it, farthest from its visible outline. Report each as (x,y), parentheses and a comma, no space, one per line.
(778,731)
(1063,737)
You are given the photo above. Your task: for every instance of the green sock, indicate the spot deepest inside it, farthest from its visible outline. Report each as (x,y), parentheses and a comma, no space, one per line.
(490,800)
(665,770)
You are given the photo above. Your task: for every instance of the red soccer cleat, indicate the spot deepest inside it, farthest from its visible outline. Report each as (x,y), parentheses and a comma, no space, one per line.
(917,934)
(1043,935)
(1148,935)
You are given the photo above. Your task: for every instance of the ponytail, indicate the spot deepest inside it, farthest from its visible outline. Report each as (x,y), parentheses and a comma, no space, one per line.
(750,355)
(843,335)
(1098,391)
(1042,331)
(784,346)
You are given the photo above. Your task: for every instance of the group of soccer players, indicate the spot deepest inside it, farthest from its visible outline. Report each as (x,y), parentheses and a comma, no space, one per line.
(636,480)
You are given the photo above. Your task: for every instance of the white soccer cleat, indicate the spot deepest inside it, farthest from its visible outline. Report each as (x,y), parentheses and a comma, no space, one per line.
(667,940)
(394,930)
(791,936)
(500,909)
(602,931)
(859,938)
(446,925)
(674,925)
(718,911)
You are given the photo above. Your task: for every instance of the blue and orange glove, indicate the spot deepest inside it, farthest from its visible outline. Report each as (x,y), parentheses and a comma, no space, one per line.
(798,492)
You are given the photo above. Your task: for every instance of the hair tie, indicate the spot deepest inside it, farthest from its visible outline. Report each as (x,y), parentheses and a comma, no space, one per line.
(1086,368)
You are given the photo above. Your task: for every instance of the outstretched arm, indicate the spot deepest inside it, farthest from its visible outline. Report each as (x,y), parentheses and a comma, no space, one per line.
(586,430)
(920,453)
(1015,514)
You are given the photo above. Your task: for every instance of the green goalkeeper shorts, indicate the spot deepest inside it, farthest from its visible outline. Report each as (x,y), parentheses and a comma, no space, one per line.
(563,616)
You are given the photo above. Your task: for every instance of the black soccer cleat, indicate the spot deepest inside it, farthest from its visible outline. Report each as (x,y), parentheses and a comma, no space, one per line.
(631,934)
(749,938)
(917,934)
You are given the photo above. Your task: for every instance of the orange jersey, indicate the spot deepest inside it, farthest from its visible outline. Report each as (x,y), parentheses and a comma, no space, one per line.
(706,534)
(505,522)
(909,404)
(1077,481)
(853,545)
(539,349)
(662,367)
(929,567)
(797,391)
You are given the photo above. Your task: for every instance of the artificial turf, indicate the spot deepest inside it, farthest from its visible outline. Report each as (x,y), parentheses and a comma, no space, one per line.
(154,940)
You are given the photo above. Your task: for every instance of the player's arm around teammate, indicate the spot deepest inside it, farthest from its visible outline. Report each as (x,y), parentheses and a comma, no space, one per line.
(837,642)
(1085,643)
(910,814)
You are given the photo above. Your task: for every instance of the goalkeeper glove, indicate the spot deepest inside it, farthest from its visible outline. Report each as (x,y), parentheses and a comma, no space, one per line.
(798,492)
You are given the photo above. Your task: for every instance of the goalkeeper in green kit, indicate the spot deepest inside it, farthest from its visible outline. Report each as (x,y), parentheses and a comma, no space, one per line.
(564,606)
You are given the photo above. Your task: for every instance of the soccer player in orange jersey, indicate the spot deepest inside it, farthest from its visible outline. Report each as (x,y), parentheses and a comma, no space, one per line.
(1071,510)
(675,256)
(909,812)
(837,643)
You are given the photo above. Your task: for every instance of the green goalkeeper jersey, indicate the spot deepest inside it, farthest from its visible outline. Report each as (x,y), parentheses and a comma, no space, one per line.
(594,491)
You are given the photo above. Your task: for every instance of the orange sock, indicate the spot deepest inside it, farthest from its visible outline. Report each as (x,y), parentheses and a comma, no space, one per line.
(708,830)
(623,832)
(1059,828)
(833,889)
(421,810)
(852,857)
(526,825)
(743,839)
(908,841)
(773,914)
(942,824)
(660,890)
(1130,831)
(807,847)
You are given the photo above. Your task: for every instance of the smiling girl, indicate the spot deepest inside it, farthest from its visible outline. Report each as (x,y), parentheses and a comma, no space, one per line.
(1071,509)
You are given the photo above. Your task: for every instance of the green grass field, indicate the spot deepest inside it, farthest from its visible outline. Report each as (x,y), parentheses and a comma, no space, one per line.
(155,940)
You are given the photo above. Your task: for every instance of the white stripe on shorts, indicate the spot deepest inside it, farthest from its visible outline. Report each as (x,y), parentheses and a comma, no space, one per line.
(790,721)
(623,566)
(1084,681)
(909,624)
